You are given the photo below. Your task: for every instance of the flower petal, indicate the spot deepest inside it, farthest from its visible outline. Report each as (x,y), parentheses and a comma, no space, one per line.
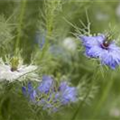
(95,52)
(90,41)
(46,84)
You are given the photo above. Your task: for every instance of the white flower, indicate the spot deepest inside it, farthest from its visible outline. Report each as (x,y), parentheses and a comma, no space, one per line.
(69,43)
(23,71)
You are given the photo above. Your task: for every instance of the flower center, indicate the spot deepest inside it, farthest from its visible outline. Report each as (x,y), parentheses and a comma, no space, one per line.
(105,44)
(14,64)
(13,69)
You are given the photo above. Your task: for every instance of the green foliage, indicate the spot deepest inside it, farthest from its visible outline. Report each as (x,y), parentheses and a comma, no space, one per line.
(54,21)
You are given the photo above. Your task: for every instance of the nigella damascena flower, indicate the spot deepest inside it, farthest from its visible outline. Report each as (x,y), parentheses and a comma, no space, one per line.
(46,84)
(67,94)
(29,92)
(49,95)
(14,72)
(102,47)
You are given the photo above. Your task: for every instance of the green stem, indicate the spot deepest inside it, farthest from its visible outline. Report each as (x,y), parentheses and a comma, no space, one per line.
(48,35)
(45,48)
(82,103)
(87,94)
(79,107)
(103,98)
(51,7)
(19,29)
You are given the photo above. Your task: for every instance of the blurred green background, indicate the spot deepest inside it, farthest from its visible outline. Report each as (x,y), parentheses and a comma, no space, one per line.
(63,58)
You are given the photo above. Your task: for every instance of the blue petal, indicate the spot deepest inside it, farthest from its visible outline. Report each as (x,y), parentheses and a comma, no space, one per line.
(24,90)
(33,95)
(63,86)
(112,59)
(95,51)
(90,41)
(69,95)
(30,88)
(46,84)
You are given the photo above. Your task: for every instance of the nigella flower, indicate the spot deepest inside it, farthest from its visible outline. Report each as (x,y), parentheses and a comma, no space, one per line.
(102,47)
(9,73)
(46,84)
(69,44)
(67,94)
(29,92)
(49,96)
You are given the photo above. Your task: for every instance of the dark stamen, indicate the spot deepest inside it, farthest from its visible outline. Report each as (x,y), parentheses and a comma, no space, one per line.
(13,69)
(106,43)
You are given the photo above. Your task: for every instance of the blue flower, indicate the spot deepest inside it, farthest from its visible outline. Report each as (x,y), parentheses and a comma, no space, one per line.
(49,96)
(46,84)
(63,86)
(101,47)
(90,41)
(29,92)
(67,94)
